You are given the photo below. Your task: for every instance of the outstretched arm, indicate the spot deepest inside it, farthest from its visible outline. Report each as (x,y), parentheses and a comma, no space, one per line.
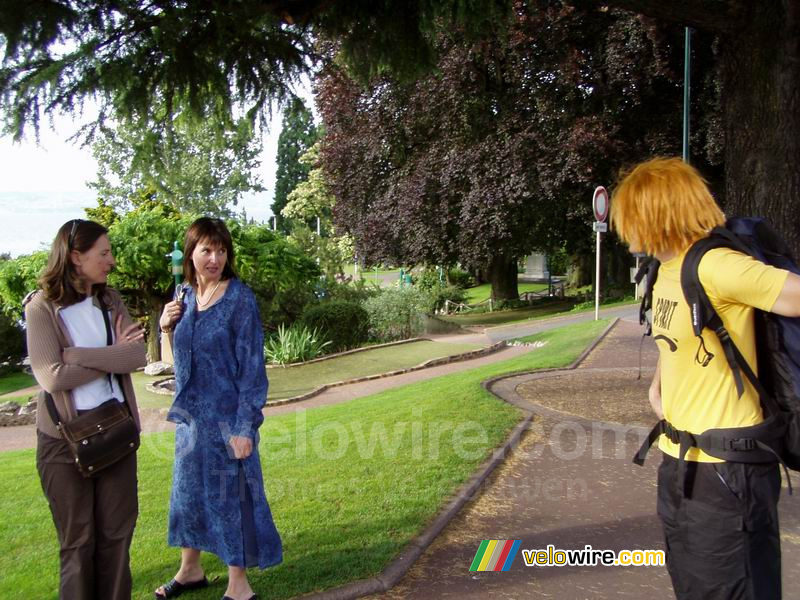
(788,302)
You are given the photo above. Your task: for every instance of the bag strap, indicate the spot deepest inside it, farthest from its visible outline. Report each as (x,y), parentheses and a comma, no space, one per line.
(703,313)
(648,269)
(109,338)
(51,409)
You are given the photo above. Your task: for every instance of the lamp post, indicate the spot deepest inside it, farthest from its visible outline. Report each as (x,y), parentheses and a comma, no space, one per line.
(176,261)
(687,86)
(177,264)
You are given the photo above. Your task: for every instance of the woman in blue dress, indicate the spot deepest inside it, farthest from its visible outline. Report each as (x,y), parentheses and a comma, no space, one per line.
(218,503)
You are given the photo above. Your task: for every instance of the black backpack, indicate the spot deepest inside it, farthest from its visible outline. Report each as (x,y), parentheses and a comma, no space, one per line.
(777,438)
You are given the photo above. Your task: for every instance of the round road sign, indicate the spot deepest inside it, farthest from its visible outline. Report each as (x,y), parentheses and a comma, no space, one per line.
(600,203)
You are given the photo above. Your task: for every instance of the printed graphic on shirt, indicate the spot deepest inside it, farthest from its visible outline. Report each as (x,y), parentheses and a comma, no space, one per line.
(663,311)
(703,357)
(672,344)
(698,390)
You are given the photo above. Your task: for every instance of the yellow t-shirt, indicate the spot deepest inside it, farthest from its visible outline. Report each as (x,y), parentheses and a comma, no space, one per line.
(698,390)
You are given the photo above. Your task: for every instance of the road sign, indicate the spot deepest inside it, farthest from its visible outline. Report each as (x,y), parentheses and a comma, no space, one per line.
(600,208)
(600,203)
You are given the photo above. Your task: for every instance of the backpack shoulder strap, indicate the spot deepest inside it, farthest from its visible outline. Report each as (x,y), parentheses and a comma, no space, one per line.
(648,269)
(703,313)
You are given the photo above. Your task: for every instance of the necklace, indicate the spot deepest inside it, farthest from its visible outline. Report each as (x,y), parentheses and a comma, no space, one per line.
(208,298)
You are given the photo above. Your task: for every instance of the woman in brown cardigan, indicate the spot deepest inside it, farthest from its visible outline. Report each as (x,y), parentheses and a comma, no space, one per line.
(94,517)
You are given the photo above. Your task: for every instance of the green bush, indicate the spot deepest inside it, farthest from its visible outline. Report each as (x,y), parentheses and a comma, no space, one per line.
(397,313)
(356,291)
(345,324)
(12,343)
(460,278)
(294,344)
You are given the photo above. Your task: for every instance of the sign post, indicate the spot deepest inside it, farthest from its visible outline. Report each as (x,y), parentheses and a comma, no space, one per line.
(600,208)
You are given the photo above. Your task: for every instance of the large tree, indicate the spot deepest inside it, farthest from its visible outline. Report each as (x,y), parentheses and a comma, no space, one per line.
(195,167)
(758,55)
(298,134)
(496,153)
(215,57)
(309,209)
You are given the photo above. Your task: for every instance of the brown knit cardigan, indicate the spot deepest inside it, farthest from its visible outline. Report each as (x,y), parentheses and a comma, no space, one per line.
(59,366)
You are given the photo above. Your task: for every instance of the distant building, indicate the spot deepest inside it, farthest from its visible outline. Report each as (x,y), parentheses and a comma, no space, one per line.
(535,268)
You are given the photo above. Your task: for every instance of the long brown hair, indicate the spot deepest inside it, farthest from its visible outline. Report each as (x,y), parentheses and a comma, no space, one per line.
(60,281)
(215,231)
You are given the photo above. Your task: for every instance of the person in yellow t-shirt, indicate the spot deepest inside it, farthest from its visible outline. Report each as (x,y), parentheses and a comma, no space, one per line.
(721,523)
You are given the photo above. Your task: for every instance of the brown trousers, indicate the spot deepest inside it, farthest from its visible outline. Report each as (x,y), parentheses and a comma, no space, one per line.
(94,520)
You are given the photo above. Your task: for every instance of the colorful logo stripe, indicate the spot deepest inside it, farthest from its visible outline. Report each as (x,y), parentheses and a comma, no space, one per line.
(495,555)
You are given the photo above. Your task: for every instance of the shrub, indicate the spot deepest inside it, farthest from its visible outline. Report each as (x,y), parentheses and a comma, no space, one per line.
(460,278)
(295,344)
(345,324)
(352,291)
(428,279)
(397,313)
(12,343)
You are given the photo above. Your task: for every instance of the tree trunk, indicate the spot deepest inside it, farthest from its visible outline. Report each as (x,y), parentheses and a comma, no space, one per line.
(761,100)
(503,277)
(581,270)
(759,57)
(153,345)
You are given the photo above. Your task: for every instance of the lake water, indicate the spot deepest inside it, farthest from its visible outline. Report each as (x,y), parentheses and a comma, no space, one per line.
(29,220)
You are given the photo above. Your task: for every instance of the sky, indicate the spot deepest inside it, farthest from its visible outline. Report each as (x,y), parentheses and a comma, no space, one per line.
(44,185)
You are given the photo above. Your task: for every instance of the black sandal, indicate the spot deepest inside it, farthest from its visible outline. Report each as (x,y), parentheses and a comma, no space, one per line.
(175,588)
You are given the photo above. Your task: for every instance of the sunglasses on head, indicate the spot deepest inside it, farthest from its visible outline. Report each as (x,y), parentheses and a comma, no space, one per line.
(75,223)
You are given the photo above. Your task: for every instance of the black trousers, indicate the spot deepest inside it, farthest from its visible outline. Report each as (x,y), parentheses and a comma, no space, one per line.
(722,538)
(94,520)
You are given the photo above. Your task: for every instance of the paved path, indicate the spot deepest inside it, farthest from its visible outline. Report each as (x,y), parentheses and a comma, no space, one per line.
(570,484)
(22,437)
(499,333)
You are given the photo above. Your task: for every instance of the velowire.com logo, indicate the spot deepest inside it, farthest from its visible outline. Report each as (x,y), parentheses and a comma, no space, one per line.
(495,555)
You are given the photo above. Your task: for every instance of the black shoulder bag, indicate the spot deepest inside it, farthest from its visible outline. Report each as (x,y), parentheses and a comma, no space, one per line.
(102,436)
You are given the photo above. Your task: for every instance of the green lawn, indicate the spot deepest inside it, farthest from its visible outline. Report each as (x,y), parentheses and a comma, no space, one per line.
(15,381)
(293,381)
(479,293)
(349,485)
(21,400)
(514,315)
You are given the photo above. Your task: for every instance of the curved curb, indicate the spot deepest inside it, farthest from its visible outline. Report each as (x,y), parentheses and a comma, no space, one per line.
(489,383)
(348,352)
(434,362)
(555,414)
(396,569)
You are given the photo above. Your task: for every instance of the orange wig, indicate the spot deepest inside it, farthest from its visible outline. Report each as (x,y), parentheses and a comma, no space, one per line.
(662,206)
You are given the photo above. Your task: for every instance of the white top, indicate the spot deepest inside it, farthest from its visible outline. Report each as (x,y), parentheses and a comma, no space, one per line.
(85,324)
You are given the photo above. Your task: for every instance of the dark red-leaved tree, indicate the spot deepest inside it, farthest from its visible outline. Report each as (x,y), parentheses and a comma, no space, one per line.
(497,152)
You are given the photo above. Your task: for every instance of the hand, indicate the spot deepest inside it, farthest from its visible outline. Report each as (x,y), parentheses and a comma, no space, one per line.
(132,334)
(172,312)
(242,446)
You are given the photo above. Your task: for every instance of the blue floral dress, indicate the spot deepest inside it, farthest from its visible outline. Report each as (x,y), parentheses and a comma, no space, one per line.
(218,503)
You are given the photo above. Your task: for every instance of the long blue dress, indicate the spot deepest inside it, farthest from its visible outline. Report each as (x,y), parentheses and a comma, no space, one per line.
(218,503)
